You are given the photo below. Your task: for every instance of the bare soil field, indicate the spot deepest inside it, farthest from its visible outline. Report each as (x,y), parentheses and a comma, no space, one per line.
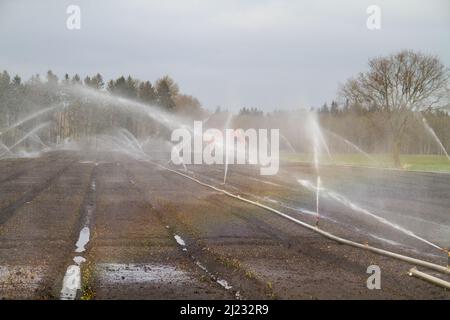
(138,231)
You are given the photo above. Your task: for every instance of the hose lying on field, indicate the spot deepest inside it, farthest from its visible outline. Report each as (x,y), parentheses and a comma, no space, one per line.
(326,234)
(434,280)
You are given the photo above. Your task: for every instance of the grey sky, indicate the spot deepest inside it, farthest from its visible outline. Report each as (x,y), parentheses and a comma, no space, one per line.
(233,53)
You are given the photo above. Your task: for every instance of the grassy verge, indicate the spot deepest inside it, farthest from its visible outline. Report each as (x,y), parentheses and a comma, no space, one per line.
(415,162)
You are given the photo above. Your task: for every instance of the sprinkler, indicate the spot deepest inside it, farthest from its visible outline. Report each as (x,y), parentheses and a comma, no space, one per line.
(317,201)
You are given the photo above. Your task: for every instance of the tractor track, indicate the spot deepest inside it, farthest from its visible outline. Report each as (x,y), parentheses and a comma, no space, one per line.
(7,212)
(195,254)
(150,222)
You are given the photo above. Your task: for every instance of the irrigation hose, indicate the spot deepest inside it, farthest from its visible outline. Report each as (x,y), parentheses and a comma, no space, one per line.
(424,276)
(326,234)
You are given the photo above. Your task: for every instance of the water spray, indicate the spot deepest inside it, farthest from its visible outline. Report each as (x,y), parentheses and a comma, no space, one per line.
(5,148)
(316,138)
(346,202)
(26,136)
(326,234)
(317,200)
(29,118)
(434,135)
(288,143)
(227,124)
(180,159)
(351,144)
(156,113)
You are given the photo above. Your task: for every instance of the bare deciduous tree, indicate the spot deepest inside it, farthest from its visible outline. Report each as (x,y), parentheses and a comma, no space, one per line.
(399,86)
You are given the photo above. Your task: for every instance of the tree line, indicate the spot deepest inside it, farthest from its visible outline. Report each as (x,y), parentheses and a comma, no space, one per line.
(346,124)
(399,105)
(81,116)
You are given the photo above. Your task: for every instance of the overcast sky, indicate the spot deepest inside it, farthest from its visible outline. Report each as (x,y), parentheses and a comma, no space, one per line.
(233,53)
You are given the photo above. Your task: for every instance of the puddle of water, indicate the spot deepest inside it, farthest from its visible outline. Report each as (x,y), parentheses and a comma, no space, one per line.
(72,278)
(140,273)
(71,283)
(83,239)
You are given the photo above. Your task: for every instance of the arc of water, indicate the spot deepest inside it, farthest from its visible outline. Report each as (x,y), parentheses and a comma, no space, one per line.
(434,135)
(324,143)
(177,148)
(346,202)
(317,138)
(36,138)
(131,139)
(5,148)
(317,200)
(153,112)
(287,143)
(351,144)
(29,118)
(26,136)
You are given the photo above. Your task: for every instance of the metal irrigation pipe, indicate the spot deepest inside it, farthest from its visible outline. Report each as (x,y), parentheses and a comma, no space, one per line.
(434,280)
